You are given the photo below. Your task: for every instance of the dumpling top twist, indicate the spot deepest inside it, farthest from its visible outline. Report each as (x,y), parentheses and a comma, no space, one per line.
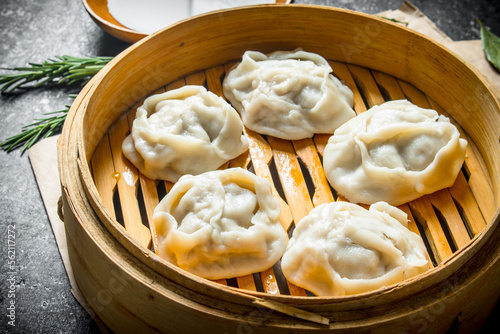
(395,152)
(289,95)
(184,131)
(220,224)
(341,249)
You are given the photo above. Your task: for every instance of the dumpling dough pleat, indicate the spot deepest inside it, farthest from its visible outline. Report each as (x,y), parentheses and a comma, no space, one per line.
(289,95)
(341,249)
(184,131)
(220,224)
(395,152)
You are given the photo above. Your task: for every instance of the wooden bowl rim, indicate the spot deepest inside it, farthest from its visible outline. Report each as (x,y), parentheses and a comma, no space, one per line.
(114,28)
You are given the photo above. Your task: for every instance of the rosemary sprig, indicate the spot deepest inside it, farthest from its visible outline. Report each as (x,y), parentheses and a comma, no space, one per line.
(61,70)
(395,20)
(40,128)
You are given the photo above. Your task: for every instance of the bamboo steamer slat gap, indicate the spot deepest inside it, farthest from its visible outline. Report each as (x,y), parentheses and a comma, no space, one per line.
(133,290)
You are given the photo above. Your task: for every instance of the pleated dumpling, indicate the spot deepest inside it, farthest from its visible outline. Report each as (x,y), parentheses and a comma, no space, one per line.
(289,95)
(184,131)
(220,224)
(341,249)
(394,152)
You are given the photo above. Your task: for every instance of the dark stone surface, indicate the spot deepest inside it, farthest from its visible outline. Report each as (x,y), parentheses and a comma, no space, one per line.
(32,31)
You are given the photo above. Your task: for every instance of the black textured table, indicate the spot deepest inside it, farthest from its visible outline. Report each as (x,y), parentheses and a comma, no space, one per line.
(32,31)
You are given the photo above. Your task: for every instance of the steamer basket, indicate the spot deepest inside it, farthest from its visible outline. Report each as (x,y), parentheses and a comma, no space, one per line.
(108,204)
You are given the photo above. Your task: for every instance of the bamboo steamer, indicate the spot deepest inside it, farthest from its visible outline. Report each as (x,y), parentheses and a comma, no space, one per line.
(107,204)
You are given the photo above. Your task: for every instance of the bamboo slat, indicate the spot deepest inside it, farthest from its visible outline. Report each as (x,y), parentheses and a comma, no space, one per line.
(290,175)
(102,169)
(478,181)
(307,153)
(467,204)
(127,186)
(366,84)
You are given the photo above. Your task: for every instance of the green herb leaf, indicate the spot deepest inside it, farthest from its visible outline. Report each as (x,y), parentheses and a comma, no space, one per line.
(491,45)
(40,128)
(62,69)
(395,20)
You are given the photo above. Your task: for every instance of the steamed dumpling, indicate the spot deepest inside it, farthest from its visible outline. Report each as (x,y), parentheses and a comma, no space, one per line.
(184,131)
(342,249)
(289,95)
(395,152)
(220,224)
